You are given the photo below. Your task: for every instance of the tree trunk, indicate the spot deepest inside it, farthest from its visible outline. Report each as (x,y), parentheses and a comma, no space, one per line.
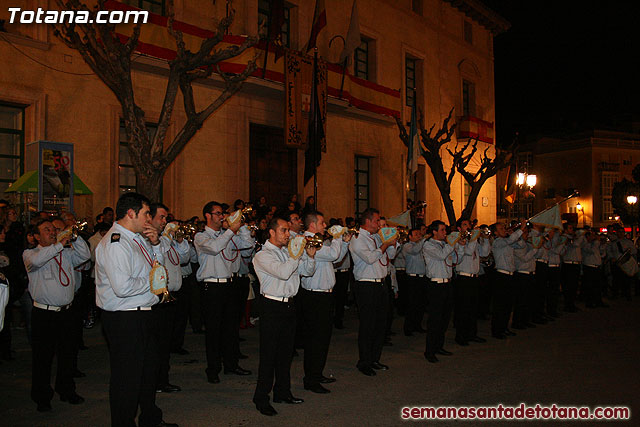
(150,185)
(471,201)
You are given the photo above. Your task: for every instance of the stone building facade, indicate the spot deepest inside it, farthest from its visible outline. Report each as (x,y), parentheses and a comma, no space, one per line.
(442,48)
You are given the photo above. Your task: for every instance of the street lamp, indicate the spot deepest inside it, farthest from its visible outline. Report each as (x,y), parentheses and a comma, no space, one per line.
(632,200)
(579,207)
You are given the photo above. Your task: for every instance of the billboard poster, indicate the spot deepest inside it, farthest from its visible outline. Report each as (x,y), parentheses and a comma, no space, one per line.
(55,176)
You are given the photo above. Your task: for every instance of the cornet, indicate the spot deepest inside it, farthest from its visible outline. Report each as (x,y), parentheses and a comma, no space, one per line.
(315,241)
(72,231)
(187,231)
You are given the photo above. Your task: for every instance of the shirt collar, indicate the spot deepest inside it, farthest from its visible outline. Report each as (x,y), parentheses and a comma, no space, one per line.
(120,229)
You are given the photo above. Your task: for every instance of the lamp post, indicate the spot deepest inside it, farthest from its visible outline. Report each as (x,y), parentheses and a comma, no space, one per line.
(526,181)
(579,207)
(632,200)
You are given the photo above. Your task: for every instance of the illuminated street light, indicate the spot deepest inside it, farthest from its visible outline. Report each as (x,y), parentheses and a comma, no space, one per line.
(532,180)
(520,179)
(632,200)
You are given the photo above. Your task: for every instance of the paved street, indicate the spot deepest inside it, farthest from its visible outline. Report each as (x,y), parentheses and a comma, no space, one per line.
(586,358)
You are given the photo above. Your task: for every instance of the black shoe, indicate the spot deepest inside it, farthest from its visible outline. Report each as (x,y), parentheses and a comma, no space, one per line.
(603,305)
(267,410)
(529,325)
(290,400)
(499,336)
(74,399)
(166,424)
(238,371)
(242,356)
(181,351)
(379,366)
(509,333)
(327,380)
(570,309)
(431,358)
(213,379)
(518,326)
(478,339)
(421,330)
(168,388)
(462,343)
(78,374)
(317,388)
(540,321)
(444,352)
(44,407)
(367,371)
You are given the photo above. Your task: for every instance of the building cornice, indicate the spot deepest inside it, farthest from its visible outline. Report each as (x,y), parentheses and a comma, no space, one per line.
(480,13)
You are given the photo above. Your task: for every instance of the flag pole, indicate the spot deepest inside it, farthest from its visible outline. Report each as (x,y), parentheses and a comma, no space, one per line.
(575,193)
(313,98)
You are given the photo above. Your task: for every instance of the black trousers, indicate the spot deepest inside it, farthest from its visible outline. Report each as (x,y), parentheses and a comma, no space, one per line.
(277,332)
(416,302)
(402,303)
(503,292)
(133,354)
(373,302)
(524,298)
(50,335)
(440,296)
(541,284)
(570,276)
(553,290)
(340,290)
(78,312)
(466,303)
(317,315)
(484,292)
(179,325)
(391,298)
(221,321)
(165,317)
(196,311)
(592,285)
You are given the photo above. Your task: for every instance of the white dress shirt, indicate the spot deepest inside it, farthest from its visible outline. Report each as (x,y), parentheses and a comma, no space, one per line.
(50,271)
(324,278)
(215,254)
(438,258)
(368,260)
(122,270)
(279,275)
(175,254)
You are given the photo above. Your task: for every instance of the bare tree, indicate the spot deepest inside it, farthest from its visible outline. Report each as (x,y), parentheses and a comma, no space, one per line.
(110,59)
(432,145)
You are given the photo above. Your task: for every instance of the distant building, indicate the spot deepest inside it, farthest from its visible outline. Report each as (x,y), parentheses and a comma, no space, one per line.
(436,53)
(590,162)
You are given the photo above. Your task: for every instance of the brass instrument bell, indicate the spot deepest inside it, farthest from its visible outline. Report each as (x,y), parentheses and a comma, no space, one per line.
(315,241)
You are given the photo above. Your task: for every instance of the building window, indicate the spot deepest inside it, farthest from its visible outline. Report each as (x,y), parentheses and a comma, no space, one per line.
(608,180)
(468,98)
(361,60)
(416,6)
(410,80)
(468,32)
(126,172)
(362,171)
(11,144)
(264,12)
(153,6)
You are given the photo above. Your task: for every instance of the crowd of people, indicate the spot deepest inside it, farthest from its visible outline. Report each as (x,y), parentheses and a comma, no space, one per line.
(146,275)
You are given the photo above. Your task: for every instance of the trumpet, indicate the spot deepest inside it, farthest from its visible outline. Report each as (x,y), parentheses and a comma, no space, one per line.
(240,215)
(186,230)
(315,241)
(354,231)
(403,234)
(72,231)
(466,235)
(485,233)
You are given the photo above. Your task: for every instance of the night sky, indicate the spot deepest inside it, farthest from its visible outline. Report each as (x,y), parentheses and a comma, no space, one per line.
(565,66)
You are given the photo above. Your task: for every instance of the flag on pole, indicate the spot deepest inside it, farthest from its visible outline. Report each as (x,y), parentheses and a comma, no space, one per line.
(353,35)
(403,219)
(549,218)
(319,22)
(415,150)
(316,129)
